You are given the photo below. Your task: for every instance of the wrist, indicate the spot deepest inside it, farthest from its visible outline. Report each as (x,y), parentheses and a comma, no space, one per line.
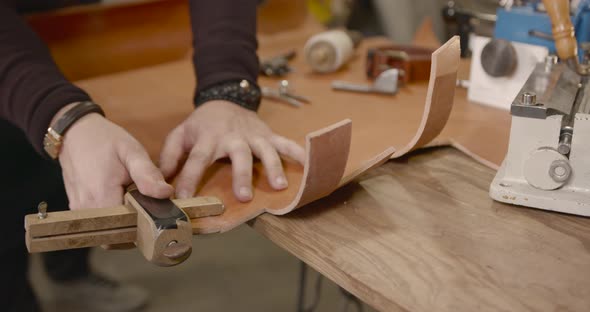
(63,120)
(243,93)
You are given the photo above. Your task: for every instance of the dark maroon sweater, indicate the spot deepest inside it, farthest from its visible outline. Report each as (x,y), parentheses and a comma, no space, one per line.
(32,89)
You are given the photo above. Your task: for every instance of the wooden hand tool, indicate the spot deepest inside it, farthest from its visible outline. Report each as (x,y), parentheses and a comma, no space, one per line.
(161,228)
(563,34)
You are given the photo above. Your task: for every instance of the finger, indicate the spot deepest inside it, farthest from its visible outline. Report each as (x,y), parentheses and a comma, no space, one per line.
(200,157)
(241,159)
(143,172)
(271,161)
(172,152)
(288,148)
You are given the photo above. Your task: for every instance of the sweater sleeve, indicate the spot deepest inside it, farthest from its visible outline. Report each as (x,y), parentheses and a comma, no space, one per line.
(224,40)
(32,89)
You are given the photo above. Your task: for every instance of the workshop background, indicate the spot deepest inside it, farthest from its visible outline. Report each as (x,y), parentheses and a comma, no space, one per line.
(240,270)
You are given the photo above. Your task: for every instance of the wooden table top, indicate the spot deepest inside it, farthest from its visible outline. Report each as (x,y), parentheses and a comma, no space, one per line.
(422,234)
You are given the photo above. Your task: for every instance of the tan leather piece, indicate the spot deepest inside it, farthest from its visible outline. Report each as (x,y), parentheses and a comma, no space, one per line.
(480,131)
(150,102)
(327,153)
(436,111)
(439,97)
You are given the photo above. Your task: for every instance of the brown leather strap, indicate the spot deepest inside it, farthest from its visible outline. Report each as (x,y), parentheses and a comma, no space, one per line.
(413,61)
(72,115)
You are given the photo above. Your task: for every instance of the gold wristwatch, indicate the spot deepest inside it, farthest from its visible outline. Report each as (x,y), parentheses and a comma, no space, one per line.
(54,136)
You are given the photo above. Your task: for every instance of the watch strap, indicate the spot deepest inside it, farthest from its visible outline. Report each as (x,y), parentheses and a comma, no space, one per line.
(241,92)
(73,114)
(414,62)
(54,136)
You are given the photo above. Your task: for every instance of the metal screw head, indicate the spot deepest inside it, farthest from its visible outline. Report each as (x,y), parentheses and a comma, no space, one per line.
(560,170)
(529,98)
(284,86)
(42,208)
(244,84)
(551,59)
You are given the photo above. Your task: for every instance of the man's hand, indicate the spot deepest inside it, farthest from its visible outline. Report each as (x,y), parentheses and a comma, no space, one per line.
(99,159)
(219,129)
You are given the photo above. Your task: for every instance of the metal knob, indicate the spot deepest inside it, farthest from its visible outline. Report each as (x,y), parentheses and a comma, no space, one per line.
(42,208)
(529,98)
(177,251)
(560,170)
(565,141)
(550,60)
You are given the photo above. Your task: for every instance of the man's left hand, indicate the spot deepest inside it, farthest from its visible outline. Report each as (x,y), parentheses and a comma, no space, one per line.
(219,129)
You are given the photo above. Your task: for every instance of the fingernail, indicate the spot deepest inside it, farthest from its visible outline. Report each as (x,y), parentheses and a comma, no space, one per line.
(164,184)
(245,192)
(281,182)
(183,194)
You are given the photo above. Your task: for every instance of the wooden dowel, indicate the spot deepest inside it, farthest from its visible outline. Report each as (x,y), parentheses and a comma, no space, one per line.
(563,30)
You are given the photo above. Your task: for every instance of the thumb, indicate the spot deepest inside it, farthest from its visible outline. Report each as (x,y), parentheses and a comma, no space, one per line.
(172,152)
(147,177)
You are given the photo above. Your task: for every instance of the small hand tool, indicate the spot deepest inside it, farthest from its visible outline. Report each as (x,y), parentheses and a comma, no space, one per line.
(160,228)
(412,61)
(284,94)
(386,83)
(277,66)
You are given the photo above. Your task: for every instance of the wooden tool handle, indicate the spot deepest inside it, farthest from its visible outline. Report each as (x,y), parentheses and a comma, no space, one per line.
(563,30)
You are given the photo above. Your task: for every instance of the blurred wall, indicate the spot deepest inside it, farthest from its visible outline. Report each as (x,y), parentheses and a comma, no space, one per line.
(400,18)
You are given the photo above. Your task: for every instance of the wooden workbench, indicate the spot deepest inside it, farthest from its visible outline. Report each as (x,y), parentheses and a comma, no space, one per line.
(422,234)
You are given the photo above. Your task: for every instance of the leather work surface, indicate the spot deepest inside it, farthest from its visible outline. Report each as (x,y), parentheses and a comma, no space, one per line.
(344,133)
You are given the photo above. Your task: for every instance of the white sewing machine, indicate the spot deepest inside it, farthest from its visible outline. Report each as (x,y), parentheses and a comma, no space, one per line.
(548,161)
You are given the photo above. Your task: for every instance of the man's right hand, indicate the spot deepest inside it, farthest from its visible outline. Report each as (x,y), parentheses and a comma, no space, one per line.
(99,159)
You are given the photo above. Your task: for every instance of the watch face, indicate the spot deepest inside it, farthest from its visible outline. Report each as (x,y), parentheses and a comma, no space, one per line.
(51,146)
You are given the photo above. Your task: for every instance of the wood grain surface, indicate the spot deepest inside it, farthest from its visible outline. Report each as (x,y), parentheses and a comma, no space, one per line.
(422,234)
